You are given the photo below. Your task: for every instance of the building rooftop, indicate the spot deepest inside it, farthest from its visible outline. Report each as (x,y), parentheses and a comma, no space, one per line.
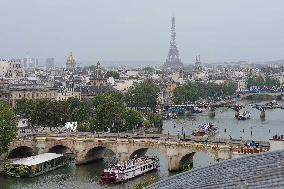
(265,170)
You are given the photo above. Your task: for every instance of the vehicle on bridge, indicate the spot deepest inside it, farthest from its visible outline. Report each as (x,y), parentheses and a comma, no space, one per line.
(132,168)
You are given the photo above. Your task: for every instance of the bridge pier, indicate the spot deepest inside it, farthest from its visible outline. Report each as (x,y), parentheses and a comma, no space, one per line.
(174,163)
(212,112)
(237,114)
(262,114)
(224,153)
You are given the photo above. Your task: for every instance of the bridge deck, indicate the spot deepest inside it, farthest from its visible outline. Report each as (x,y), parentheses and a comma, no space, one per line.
(234,144)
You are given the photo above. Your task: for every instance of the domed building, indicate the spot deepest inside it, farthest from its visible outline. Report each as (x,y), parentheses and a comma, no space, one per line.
(70,64)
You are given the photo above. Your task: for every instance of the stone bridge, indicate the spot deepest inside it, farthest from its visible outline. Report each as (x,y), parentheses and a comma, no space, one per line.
(91,148)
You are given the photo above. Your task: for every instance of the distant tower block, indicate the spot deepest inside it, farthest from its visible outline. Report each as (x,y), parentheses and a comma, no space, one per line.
(70,64)
(173,61)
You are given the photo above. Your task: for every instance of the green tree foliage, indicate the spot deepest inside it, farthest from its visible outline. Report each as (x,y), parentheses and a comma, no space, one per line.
(143,96)
(113,74)
(259,81)
(8,130)
(193,91)
(107,110)
(132,119)
(156,120)
(146,182)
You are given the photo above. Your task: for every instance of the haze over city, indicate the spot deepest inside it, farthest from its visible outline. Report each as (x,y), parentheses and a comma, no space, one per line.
(128,30)
(149,94)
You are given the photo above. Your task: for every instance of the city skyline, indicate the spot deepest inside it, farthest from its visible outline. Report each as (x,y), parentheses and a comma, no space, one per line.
(139,31)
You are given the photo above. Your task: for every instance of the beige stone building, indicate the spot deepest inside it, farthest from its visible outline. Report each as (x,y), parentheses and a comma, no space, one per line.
(12,95)
(98,78)
(64,94)
(70,63)
(11,68)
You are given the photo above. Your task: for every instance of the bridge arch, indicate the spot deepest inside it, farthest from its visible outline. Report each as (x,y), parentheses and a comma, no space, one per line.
(141,151)
(21,151)
(95,153)
(200,157)
(185,160)
(60,149)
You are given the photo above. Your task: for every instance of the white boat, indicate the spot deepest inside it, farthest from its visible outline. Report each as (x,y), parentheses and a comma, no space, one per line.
(132,168)
(244,115)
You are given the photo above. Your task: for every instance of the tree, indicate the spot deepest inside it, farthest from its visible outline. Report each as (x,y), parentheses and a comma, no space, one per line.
(269,81)
(156,120)
(108,108)
(132,118)
(192,91)
(25,108)
(8,129)
(143,96)
(113,74)
(259,81)
(146,182)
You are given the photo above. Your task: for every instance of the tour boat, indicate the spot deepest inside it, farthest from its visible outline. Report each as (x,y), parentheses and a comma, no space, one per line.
(206,129)
(35,165)
(130,169)
(243,115)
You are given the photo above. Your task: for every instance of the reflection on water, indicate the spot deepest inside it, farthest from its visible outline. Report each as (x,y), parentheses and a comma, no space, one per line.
(87,176)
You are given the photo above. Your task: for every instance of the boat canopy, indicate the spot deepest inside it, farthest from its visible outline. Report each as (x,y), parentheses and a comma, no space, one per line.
(35,160)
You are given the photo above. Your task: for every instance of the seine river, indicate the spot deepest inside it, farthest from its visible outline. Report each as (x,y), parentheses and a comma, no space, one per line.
(87,176)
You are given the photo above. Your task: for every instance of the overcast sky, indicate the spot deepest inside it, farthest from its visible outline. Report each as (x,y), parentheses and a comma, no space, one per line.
(219,30)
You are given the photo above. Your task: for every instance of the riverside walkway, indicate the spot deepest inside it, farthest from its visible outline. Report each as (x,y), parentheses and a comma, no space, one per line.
(265,170)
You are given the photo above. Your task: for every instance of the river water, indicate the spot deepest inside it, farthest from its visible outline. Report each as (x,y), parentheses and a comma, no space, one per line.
(87,176)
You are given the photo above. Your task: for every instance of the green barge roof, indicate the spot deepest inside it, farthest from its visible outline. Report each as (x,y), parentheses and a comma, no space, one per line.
(35,160)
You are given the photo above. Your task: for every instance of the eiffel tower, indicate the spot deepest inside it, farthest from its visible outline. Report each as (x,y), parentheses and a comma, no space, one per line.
(173,61)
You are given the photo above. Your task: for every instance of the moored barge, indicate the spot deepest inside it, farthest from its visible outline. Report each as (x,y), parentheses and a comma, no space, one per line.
(35,165)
